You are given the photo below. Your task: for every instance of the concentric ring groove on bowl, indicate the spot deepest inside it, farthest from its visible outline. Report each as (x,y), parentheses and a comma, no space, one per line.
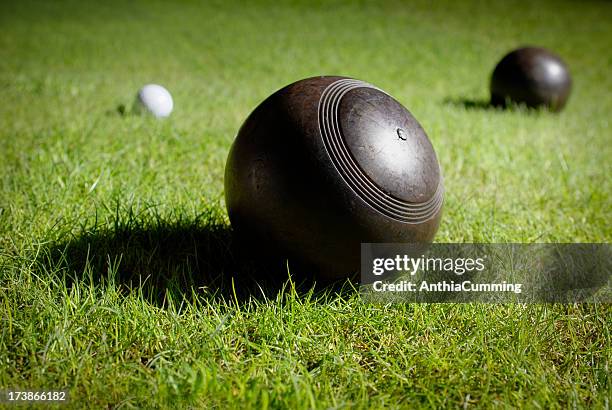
(353,175)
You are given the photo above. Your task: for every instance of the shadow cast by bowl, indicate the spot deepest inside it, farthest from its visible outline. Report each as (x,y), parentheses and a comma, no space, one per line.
(495,107)
(169,261)
(472,104)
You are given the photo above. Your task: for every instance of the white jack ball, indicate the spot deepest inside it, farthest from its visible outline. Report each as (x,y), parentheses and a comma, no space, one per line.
(155,99)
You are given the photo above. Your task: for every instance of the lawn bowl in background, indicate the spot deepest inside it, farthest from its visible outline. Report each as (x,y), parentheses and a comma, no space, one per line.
(532,76)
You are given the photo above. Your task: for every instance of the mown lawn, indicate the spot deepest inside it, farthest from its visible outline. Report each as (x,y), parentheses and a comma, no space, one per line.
(118,280)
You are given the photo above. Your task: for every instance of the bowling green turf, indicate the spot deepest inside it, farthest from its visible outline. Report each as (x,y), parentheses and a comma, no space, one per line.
(112,226)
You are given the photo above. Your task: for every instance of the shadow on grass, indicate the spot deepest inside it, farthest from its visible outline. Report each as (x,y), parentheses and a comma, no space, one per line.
(177,259)
(472,104)
(499,107)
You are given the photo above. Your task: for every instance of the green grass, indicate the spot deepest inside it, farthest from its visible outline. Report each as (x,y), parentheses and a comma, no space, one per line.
(117,276)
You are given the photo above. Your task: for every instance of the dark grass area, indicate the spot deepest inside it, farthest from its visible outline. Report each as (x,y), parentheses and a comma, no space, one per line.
(164,259)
